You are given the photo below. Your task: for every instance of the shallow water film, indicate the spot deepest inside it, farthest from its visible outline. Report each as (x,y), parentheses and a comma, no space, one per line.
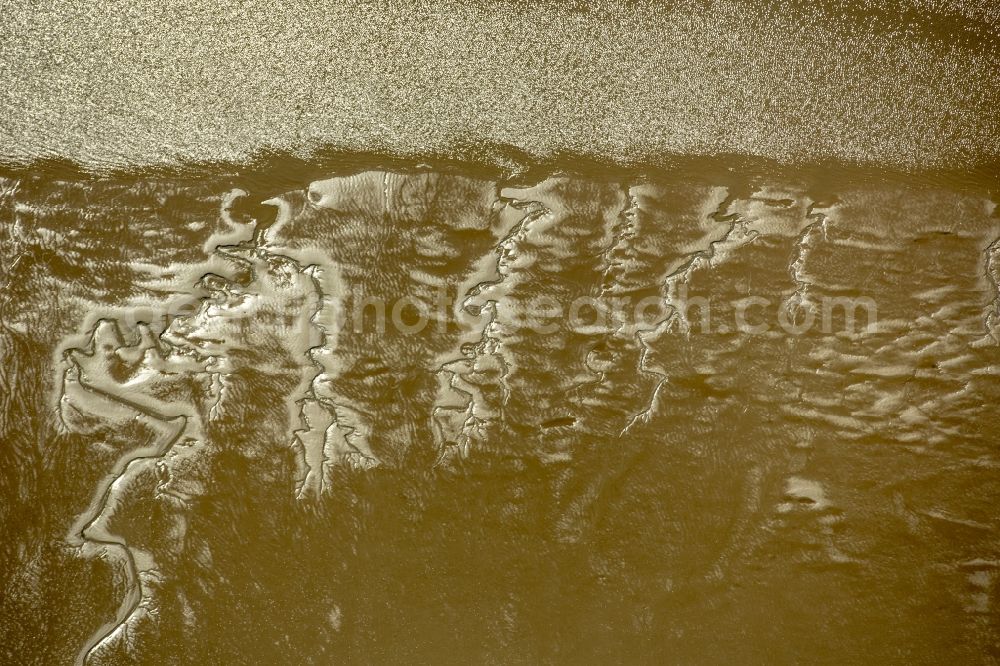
(696,373)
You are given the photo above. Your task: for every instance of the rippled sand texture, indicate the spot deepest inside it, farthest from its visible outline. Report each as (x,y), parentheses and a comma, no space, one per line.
(218,450)
(909,83)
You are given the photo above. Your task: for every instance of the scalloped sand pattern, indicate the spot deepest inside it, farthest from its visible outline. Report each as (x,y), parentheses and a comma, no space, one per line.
(500,333)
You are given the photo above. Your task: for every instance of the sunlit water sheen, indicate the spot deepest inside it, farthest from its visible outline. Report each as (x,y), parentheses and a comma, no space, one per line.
(208,462)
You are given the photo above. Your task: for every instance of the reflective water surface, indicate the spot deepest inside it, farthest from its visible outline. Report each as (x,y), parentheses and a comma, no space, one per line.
(384,413)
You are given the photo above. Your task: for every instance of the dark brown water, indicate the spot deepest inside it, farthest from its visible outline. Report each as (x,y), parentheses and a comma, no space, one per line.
(499,333)
(424,415)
